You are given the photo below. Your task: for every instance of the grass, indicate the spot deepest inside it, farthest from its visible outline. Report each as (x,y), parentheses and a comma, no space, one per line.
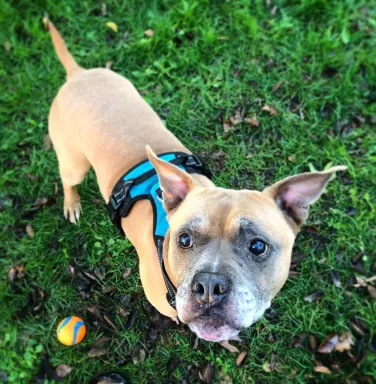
(206,58)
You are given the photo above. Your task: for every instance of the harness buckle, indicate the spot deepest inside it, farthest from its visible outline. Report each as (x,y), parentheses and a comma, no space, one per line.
(193,161)
(117,200)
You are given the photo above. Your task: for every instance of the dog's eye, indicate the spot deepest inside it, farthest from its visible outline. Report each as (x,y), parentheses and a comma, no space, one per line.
(258,247)
(185,240)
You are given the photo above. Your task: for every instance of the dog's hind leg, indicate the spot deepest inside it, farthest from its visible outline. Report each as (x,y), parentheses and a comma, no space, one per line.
(73,170)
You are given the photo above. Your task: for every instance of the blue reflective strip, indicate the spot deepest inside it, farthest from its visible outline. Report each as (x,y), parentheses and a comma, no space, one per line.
(76,328)
(146,167)
(143,188)
(66,321)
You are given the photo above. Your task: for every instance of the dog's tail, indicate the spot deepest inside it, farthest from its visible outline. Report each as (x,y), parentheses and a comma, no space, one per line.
(62,52)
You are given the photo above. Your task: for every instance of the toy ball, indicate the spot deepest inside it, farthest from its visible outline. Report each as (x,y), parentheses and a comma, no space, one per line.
(71,330)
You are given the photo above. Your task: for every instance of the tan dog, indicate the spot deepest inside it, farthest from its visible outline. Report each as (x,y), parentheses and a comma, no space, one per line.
(227,252)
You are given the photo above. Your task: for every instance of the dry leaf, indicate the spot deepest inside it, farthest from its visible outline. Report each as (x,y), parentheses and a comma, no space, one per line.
(241,358)
(149,33)
(45,22)
(7,46)
(226,344)
(95,352)
(345,341)
(47,143)
(314,296)
(30,231)
(277,86)
(274,10)
(271,109)
(328,344)
(126,272)
(101,340)
(227,126)
(372,291)
(16,272)
(237,118)
(322,369)
(112,25)
(252,121)
(360,282)
(63,370)
(104,9)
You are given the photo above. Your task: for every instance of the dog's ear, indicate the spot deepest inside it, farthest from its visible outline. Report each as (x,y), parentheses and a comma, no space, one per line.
(175,183)
(295,194)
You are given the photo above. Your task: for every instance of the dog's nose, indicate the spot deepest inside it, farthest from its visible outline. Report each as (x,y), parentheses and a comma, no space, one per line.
(210,288)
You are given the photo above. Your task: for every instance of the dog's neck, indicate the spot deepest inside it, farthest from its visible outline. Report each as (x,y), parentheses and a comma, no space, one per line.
(138,227)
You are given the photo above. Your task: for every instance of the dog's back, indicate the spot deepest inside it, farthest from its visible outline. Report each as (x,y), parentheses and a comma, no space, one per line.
(98,118)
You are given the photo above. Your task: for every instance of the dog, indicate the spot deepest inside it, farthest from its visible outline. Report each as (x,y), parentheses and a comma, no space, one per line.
(227,252)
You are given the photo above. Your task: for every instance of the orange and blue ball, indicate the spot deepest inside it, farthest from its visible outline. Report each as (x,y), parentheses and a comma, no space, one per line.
(71,330)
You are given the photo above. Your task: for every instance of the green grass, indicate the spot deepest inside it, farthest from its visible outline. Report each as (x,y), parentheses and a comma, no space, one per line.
(205,58)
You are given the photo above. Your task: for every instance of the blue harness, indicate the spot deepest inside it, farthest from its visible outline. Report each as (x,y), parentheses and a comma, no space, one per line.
(141,182)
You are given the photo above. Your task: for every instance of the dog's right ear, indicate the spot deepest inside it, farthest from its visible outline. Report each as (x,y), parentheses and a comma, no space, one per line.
(175,183)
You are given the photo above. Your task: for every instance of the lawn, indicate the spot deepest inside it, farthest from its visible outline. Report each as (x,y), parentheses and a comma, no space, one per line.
(261,92)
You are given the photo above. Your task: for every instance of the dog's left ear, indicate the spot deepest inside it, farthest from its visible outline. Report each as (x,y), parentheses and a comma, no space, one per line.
(175,183)
(295,194)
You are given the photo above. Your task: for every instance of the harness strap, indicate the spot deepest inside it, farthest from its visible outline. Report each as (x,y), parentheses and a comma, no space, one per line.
(141,182)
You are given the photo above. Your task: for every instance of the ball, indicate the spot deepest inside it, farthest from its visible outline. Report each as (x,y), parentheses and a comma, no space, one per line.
(71,330)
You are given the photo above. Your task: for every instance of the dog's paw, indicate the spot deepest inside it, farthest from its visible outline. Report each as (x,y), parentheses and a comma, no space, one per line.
(72,211)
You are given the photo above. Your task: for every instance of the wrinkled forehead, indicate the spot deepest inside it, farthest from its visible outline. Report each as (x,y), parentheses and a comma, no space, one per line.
(224,212)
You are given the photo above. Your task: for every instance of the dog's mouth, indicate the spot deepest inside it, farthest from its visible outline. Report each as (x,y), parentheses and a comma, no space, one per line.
(213,328)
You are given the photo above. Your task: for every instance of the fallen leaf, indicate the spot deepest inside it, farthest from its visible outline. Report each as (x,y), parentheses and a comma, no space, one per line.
(109,378)
(45,22)
(172,363)
(31,177)
(112,25)
(227,126)
(241,358)
(126,272)
(100,272)
(312,342)
(63,370)
(345,341)
(360,282)
(237,118)
(7,46)
(30,231)
(252,121)
(231,348)
(271,109)
(110,323)
(139,355)
(277,86)
(314,296)
(47,143)
(104,9)
(335,279)
(372,291)
(322,369)
(101,340)
(149,33)
(208,373)
(96,352)
(329,344)
(16,272)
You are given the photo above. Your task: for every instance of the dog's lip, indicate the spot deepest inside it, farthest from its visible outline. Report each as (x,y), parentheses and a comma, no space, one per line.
(213,328)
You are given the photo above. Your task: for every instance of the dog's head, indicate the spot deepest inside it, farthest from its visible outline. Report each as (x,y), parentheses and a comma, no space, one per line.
(229,251)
